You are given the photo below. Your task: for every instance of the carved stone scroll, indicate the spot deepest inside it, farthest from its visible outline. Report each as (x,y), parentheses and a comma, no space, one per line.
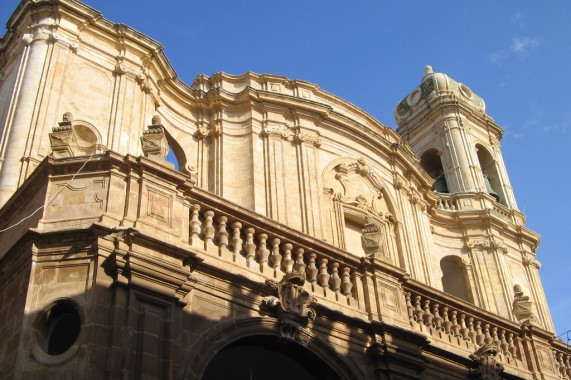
(522,307)
(154,141)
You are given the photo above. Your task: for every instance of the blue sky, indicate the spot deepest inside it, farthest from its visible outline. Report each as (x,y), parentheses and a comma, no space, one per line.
(515,54)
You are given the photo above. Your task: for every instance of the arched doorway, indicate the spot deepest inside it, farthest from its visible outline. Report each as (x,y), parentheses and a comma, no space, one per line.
(267,357)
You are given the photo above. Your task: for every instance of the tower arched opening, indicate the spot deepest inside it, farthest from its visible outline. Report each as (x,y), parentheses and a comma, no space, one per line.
(432,164)
(490,174)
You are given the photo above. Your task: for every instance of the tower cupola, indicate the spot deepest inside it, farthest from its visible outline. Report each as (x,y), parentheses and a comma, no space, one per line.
(446,125)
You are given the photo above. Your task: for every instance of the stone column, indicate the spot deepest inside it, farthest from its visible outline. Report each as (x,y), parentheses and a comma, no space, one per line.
(27,85)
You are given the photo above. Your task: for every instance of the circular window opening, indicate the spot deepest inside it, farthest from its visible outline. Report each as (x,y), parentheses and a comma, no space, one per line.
(59,328)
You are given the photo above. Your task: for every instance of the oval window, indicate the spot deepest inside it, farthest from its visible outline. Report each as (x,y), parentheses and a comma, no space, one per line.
(59,328)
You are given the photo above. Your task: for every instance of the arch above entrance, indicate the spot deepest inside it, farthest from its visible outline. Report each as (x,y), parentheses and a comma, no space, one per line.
(245,344)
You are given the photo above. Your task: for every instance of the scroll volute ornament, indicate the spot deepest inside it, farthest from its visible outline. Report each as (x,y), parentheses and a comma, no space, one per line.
(521,307)
(292,305)
(61,138)
(154,141)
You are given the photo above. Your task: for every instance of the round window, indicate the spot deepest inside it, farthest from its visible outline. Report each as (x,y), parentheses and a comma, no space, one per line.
(59,328)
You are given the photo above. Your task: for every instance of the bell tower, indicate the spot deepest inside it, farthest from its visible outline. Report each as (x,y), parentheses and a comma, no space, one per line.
(446,125)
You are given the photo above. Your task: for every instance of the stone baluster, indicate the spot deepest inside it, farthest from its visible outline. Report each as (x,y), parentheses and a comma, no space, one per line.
(418,312)
(503,342)
(236,240)
(209,229)
(195,225)
(299,263)
(312,269)
(479,335)
(487,337)
(222,234)
(323,276)
(463,328)
(346,284)
(495,338)
(471,331)
(568,365)
(335,279)
(409,308)
(288,261)
(446,324)
(275,257)
(512,349)
(560,364)
(427,314)
(263,252)
(437,320)
(250,247)
(455,326)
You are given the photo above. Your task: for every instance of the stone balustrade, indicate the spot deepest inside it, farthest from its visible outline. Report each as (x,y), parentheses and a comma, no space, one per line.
(233,238)
(464,327)
(447,203)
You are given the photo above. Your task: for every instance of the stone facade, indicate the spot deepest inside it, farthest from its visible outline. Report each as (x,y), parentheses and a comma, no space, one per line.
(293,222)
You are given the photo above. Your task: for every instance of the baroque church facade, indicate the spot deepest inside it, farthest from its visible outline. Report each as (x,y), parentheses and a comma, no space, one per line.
(297,236)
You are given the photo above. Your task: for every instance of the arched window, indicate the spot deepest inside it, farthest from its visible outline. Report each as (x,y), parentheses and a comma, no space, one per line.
(455,278)
(490,173)
(432,164)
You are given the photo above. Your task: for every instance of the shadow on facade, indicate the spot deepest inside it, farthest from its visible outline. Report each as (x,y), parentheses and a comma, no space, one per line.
(85,323)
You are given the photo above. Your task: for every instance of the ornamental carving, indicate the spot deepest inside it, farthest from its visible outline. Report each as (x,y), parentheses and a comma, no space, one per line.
(208,130)
(529,259)
(72,139)
(484,365)
(522,307)
(357,185)
(154,141)
(280,130)
(484,243)
(291,304)
(291,134)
